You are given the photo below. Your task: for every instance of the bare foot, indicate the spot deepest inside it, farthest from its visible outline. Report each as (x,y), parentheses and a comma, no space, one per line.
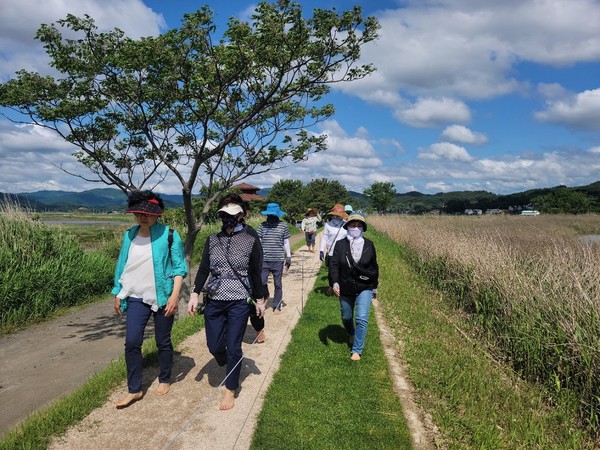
(355,357)
(228,400)
(260,338)
(129,399)
(277,312)
(162,389)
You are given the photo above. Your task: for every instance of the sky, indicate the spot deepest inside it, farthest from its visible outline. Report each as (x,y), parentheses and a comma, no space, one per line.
(502,96)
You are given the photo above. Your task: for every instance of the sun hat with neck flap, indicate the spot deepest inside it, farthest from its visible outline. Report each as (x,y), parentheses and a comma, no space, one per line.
(338,210)
(356,217)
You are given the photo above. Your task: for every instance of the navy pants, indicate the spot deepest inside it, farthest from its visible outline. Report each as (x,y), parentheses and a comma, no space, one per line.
(225,324)
(138,314)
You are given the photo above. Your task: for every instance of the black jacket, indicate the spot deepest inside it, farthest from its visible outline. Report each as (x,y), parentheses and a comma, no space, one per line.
(352,277)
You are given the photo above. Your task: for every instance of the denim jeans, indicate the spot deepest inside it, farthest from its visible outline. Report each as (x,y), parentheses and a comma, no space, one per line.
(225,324)
(276,268)
(360,307)
(138,314)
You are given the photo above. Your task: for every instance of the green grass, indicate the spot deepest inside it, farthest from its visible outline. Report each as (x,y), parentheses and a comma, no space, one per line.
(37,431)
(321,399)
(475,401)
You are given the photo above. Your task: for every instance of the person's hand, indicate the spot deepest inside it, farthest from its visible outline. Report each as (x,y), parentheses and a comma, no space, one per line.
(321,255)
(375,294)
(260,308)
(288,262)
(336,289)
(172,305)
(193,304)
(118,306)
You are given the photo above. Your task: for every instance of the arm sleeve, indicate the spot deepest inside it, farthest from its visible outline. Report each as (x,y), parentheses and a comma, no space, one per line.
(286,246)
(323,245)
(119,267)
(204,269)
(180,267)
(254,271)
(334,267)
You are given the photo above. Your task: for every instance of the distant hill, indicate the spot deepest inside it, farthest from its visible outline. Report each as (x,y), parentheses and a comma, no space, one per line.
(112,199)
(100,200)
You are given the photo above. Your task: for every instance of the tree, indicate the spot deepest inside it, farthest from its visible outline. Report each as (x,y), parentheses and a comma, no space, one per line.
(182,105)
(564,200)
(322,194)
(381,195)
(289,193)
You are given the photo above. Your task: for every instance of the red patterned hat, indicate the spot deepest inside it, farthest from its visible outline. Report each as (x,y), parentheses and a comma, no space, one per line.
(149,207)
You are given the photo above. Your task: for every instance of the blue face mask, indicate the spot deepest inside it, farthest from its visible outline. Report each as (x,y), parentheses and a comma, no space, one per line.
(336,221)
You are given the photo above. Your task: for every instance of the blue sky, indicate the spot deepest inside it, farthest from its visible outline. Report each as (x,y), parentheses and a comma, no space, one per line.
(468,94)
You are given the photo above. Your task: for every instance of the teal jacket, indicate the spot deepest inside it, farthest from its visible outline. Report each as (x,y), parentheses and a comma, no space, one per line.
(165,268)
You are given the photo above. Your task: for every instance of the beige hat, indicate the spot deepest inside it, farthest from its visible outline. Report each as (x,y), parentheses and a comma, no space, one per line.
(232,209)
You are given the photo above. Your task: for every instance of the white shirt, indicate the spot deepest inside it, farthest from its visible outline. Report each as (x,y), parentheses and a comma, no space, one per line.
(137,279)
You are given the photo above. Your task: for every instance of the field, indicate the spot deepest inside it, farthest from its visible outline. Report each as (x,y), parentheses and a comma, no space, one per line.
(529,286)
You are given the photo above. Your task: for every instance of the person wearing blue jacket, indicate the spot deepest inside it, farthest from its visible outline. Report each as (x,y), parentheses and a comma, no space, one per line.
(148,279)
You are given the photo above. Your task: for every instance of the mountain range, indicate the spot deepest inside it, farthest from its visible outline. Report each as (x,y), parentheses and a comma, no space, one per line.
(112,199)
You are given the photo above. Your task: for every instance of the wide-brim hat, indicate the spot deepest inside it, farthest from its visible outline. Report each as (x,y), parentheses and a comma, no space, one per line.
(338,210)
(356,216)
(273,209)
(149,207)
(310,211)
(233,209)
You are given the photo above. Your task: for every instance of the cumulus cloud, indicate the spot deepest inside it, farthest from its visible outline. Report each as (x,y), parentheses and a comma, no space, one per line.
(21,19)
(462,134)
(579,111)
(430,112)
(445,150)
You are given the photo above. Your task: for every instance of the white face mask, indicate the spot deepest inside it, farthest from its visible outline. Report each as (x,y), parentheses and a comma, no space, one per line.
(355,232)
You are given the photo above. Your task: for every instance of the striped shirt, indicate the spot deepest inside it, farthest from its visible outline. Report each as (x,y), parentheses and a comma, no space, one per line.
(272,236)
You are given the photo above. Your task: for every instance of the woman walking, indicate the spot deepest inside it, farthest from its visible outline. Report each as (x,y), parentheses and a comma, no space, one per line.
(232,258)
(148,279)
(355,275)
(309,226)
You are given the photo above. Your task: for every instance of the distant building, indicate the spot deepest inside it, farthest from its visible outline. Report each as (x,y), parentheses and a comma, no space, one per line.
(248,192)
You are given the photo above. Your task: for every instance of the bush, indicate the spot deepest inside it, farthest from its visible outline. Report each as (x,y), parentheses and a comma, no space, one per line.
(43,268)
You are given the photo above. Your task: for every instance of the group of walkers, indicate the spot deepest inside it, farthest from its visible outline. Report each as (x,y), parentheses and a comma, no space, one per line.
(231,282)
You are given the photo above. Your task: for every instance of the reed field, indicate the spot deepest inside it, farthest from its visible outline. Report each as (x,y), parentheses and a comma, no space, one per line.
(530,286)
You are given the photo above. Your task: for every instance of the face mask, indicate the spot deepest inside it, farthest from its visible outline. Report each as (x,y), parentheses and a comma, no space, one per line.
(355,232)
(336,221)
(229,221)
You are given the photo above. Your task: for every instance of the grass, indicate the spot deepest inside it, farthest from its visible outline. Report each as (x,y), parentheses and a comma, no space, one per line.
(529,287)
(475,401)
(320,399)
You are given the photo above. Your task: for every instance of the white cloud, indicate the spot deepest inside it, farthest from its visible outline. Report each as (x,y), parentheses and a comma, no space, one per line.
(431,112)
(446,150)
(462,134)
(580,111)
(21,19)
